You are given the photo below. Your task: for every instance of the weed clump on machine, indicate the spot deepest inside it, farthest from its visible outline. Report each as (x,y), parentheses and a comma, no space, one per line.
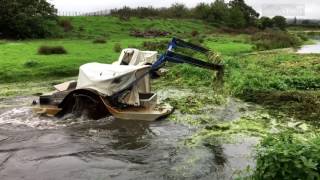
(48,50)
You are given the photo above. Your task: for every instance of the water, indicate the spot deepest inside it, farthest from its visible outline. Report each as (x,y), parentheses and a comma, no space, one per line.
(306,49)
(33,147)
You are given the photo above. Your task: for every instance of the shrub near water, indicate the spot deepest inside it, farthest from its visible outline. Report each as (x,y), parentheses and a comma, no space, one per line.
(272,39)
(48,50)
(286,157)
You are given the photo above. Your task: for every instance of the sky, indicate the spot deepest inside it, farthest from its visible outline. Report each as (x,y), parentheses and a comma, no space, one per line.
(307,9)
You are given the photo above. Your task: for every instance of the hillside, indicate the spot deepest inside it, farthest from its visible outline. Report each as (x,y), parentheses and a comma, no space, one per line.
(16,55)
(112,27)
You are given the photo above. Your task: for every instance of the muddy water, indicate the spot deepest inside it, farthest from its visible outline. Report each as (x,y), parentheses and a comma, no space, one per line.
(33,147)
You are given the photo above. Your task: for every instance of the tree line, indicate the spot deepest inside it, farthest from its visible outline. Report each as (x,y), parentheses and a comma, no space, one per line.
(22,19)
(235,14)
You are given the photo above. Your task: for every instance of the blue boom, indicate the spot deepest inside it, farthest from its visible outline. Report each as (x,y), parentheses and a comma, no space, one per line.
(171,56)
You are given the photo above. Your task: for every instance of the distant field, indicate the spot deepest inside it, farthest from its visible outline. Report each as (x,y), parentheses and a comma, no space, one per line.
(81,49)
(112,27)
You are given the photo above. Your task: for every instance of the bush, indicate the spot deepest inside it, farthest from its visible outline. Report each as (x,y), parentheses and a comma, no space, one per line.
(303,36)
(155,45)
(198,40)
(117,47)
(271,39)
(134,46)
(149,33)
(248,30)
(81,28)
(100,41)
(194,33)
(31,63)
(48,50)
(280,22)
(283,156)
(66,25)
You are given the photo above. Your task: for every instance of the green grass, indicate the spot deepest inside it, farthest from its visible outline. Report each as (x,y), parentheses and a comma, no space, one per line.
(113,28)
(278,80)
(229,44)
(81,49)
(273,71)
(14,55)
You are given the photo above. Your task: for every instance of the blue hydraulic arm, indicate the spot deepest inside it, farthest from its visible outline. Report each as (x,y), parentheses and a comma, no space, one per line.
(171,56)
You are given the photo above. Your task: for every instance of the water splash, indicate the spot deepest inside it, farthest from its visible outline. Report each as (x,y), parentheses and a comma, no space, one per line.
(25,116)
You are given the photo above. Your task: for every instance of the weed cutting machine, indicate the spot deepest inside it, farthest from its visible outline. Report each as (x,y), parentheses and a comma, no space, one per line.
(121,89)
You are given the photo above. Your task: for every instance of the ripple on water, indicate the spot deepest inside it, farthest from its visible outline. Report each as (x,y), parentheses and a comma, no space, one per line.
(33,147)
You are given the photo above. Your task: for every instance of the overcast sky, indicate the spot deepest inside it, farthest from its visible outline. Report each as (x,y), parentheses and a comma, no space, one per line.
(289,8)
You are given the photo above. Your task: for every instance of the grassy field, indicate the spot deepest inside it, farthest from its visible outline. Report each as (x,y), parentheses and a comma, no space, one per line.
(15,55)
(113,28)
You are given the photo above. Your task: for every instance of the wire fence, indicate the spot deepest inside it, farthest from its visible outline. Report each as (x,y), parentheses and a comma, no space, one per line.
(76,13)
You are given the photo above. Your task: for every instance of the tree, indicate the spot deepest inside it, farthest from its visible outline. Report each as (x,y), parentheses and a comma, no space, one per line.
(124,13)
(178,11)
(280,22)
(249,13)
(295,21)
(27,18)
(265,22)
(236,18)
(219,12)
(201,11)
